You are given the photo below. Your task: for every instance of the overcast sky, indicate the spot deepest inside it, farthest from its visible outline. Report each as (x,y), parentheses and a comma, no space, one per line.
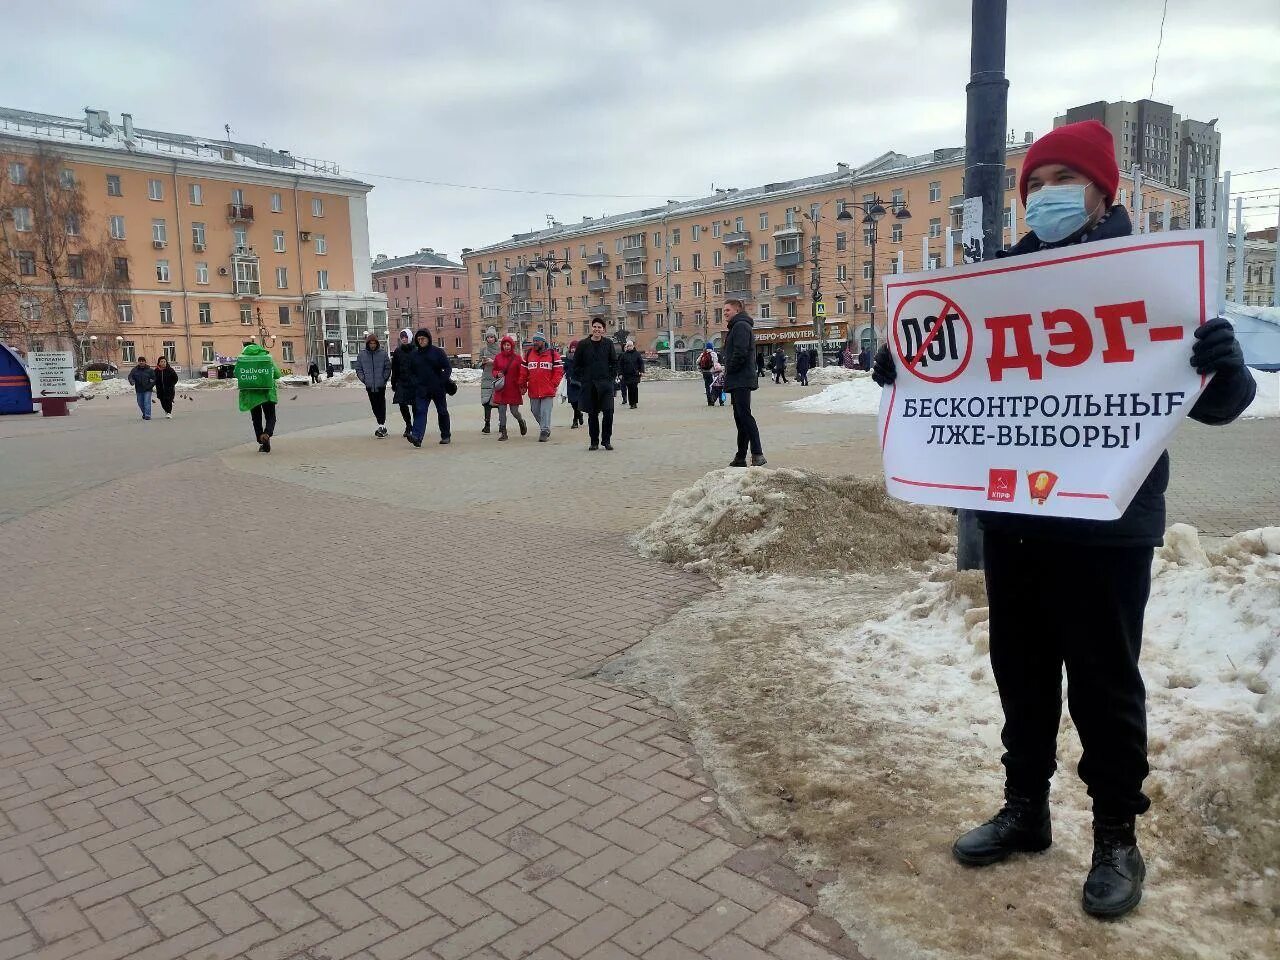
(660,98)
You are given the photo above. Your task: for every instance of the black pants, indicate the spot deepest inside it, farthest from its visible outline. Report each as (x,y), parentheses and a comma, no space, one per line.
(779,376)
(406,411)
(315,377)
(707,377)
(631,393)
(802,377)
(748,432)
(256,414)
(598,399)
(166,401)
(378,403)
(1082,606)
(420,407)
(577,412)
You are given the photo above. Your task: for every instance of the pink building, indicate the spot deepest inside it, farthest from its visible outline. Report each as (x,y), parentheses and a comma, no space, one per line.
(427,290)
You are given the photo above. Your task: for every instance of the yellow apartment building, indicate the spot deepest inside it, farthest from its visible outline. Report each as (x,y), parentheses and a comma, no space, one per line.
(667,270)
(213,243)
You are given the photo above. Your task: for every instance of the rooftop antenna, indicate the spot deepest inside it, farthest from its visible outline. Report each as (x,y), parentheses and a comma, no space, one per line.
(227,127)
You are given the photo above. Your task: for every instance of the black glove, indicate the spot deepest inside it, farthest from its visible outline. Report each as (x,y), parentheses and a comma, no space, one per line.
(1216,350)
(883,371)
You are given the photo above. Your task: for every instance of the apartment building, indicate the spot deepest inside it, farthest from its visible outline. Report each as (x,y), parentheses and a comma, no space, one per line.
(214,243)
(666,271)
(1259,288)
(427,290)
(1177,151)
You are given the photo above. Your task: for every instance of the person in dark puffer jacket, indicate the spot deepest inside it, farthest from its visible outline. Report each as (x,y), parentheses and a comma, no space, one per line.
(429,369)
(1037,568)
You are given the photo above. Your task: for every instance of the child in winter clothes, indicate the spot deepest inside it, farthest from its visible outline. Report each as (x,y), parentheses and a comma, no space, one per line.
(717,384)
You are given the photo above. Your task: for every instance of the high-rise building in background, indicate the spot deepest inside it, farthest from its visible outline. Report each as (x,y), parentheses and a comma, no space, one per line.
(1180,152)
(427,290)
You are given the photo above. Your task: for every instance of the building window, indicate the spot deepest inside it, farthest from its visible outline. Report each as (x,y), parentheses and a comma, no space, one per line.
(1008,217)
(715,228)
(121,265)
(282,278)
(202,271)
(73,225)
(697,261)
(17,173)
(322,245)
(27,263)
(277,204)
(277,237)
(322,279)
(866,303)
(197,235)
(80,308)
(717,288)
(162,271)
(195,192)
(458,286)
(842,272)
(204,312)
(841,306)
(159,233)
(166,311)
(317,207)
(113,185)
(22,219)
(128,353)
(206,351)
(716,259)
(896,235)
(1010,178)
(439,303)
(75,266)
(437,279)
(67,179)
(764,252)
(935,228)
(282,313)
(237,196)
(675,237)
(842,241)
(695,231)
(246,315)
(764,283)
(868,270)
(125,309)
(935,191)
(155,189)
(764,221)
(286,351)
(765,311)
(791,310)
(896,196)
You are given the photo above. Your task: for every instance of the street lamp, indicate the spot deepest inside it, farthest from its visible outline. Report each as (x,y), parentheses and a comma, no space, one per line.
(262,327)
(548,265)
(873,211)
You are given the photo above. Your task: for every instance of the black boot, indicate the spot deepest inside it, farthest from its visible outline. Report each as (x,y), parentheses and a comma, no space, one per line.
(1114,884)
(1021,826)
(488,414)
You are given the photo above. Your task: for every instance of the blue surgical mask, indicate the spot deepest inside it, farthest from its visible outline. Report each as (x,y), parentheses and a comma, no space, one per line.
(1055,213)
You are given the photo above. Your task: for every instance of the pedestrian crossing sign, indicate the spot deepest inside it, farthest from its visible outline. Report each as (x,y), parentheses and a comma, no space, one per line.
(819,309)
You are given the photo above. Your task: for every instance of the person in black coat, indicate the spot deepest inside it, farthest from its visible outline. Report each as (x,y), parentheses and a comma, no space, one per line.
(802,368)
(741,376)
(595,364)
(402,382)
(166,386)
(313,372)
(1099,570)
(631,366)
(573,386)
(429,371)
(778,364)
(759,363)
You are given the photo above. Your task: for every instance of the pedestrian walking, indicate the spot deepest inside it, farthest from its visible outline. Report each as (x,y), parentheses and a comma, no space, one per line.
(166,385)
(848,358)
(631,368)
(759,363)
(373,369)
(741,376)
(717,384)
(543,371)
(429,369)
(1037,567)
(573,386)
(484,360)
(778,364)
(143,379)
(707,363)
(256,374)
(313,372)
(596,364)
(508,381)
(864,359)
(802,368)
(402,381)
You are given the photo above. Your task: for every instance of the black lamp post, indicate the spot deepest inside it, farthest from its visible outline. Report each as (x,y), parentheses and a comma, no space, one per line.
(549,266)
(873,211)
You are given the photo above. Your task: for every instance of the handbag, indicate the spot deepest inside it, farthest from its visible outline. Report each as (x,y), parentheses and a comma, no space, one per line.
(499,383)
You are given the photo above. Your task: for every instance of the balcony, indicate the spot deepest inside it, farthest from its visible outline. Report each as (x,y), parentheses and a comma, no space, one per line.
(491,293)
(600,310)
(784,261)
(789,230)
(490,275)
(635,280)
(737,237)
(636,306)
(732,267)
(788,290)
(240,212)
(598,259)
(633,253)
(598,286)
(745,295)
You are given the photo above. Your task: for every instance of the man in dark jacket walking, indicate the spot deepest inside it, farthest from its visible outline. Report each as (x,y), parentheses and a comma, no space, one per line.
(778,364)
(143,379)
(402,381)
(802,368)
(596,366)
(1037,567)
(760,363)
(373,369)
(741,376)
(429,370)
(631,366)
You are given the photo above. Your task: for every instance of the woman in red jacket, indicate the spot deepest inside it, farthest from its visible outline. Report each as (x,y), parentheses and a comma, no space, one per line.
(508,383)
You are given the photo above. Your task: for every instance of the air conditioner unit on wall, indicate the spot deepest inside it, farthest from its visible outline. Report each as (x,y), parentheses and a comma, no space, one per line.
(198,247)
(304,235)
(222,271)
(158,244)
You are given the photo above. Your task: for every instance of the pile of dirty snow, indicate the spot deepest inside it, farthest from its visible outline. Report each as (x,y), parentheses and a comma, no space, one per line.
(856,395)
(467,375)
(347,378)
(209,383)
(658,370)
(793,521)
(1267,402)
(857,716)
(825,376)
(105,389)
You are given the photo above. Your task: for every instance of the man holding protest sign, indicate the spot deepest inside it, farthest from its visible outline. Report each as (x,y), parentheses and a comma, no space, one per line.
(1068,565)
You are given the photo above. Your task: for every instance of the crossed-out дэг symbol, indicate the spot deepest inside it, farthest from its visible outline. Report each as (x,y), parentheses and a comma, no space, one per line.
(931,336)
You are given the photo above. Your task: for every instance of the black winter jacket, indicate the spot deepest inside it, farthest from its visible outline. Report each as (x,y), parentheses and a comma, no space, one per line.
(143,378)
(631,364)
(1143,523)
(428,368)
(596,361)
(401,381)
(166,381)
(739,354)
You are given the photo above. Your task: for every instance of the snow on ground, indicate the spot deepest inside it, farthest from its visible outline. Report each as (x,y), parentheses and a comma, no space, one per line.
(856,715)
(658,370)
(346,379)
(825,376)
(1267,402)
(466,375)
(856,395)
(105,389)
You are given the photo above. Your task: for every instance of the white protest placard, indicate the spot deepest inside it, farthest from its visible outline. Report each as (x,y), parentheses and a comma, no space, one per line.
(1048,383)
(53,373)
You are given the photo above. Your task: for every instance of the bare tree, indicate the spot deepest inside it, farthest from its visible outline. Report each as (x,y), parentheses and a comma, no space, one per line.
(59,276)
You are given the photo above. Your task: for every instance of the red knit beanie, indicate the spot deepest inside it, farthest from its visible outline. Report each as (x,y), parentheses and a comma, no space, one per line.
(1086,147)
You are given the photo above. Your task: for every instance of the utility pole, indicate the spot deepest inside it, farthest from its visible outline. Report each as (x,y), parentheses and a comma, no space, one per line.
(984,158)
(666,291)
(815,285)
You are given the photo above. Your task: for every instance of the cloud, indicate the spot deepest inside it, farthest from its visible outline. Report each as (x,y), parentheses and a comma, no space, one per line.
(663,98)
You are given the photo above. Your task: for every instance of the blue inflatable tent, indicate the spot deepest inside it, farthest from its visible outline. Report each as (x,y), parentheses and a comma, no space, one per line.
(15,385)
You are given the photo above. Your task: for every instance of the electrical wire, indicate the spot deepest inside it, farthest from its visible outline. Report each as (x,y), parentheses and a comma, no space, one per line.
(1249,173)
(1159,43)
(537,193)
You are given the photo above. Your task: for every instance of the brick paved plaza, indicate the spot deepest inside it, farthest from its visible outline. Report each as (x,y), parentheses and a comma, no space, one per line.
(307,705)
